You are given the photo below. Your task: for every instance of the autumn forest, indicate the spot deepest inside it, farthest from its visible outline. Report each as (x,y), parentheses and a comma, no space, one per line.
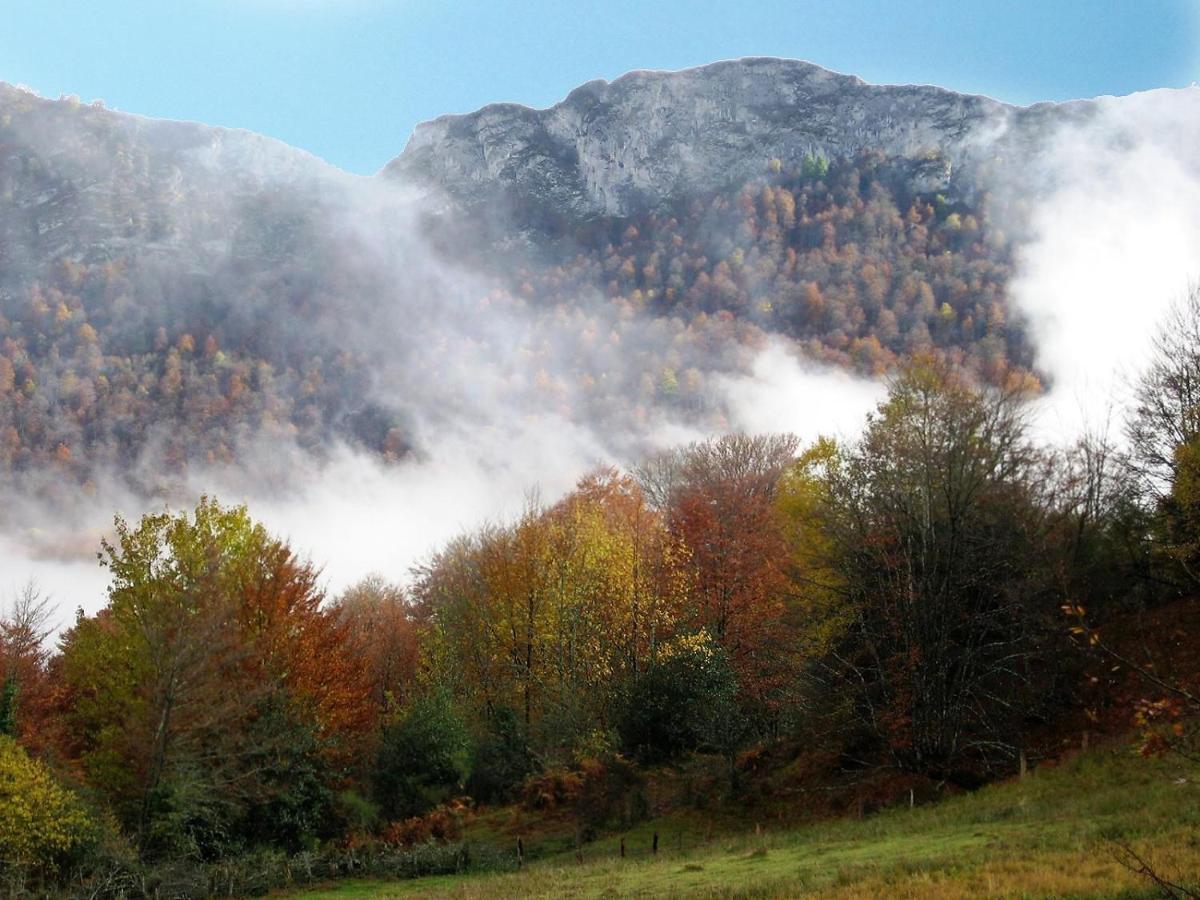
(933,599)
(750,631)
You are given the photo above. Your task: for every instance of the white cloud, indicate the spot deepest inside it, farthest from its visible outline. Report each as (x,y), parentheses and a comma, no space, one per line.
(1115,242)
(785,393)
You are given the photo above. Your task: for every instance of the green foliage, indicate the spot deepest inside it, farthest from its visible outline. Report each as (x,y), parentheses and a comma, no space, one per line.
(356,814)
(288,804)
(685,701)
(422,759)
(186,818)
(8,707)
(814,167)
(500,760)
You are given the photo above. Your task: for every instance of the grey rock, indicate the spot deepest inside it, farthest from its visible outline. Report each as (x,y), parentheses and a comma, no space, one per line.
(81,182)
(622,148)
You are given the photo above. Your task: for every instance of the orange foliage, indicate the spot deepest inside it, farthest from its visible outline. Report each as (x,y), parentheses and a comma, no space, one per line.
(308,650)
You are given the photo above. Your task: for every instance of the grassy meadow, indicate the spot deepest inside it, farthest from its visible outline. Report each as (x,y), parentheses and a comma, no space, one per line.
(1056,833)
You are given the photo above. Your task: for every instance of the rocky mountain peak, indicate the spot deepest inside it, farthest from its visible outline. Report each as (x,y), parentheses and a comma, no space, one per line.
(619,148)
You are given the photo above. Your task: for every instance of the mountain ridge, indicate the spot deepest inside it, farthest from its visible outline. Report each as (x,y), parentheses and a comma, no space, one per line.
(621,147)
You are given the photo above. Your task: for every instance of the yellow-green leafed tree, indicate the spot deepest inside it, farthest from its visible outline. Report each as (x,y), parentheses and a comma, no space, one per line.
(818,602)
(41,822)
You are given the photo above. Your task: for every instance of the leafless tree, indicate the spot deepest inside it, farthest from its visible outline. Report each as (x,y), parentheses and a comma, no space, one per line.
(1166,414)
(25,623)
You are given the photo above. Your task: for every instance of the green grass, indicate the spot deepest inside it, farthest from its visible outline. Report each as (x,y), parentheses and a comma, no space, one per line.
(1050,835)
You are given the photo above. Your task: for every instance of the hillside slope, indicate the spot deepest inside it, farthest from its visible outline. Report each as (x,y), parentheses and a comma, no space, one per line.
(1059,833)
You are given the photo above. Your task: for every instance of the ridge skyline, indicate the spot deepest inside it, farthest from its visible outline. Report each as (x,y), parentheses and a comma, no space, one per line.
(601,82)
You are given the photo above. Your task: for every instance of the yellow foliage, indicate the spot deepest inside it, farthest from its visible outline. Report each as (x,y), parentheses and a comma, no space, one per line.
(802,494)
(40,821)
(695,644)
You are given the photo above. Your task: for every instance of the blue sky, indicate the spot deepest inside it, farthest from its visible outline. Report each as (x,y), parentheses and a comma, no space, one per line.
(348,79)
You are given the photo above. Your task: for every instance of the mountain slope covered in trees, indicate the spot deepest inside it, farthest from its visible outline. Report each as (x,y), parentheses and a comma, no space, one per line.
(173,295)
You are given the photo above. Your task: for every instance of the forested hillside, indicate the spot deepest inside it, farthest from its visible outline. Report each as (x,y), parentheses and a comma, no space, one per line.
(844,256)
(172,296)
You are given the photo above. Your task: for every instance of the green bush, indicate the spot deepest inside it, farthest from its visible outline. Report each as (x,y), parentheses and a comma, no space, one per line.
(8,707)
(355,813)
(422,758)
(501,760)
(686,701)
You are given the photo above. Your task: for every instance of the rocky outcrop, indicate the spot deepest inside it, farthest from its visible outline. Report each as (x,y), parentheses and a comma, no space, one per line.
(620,148)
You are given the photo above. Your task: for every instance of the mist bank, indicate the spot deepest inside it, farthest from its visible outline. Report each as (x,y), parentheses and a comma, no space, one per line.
(354,513)
(1113,241)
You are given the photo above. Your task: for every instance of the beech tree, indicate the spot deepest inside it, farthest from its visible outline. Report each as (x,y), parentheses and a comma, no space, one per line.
(549,615)
(719,499)
(385,631)
(212,701)
(26,687)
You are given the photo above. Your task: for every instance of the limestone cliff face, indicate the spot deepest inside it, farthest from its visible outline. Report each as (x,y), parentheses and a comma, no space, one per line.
(619,148)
